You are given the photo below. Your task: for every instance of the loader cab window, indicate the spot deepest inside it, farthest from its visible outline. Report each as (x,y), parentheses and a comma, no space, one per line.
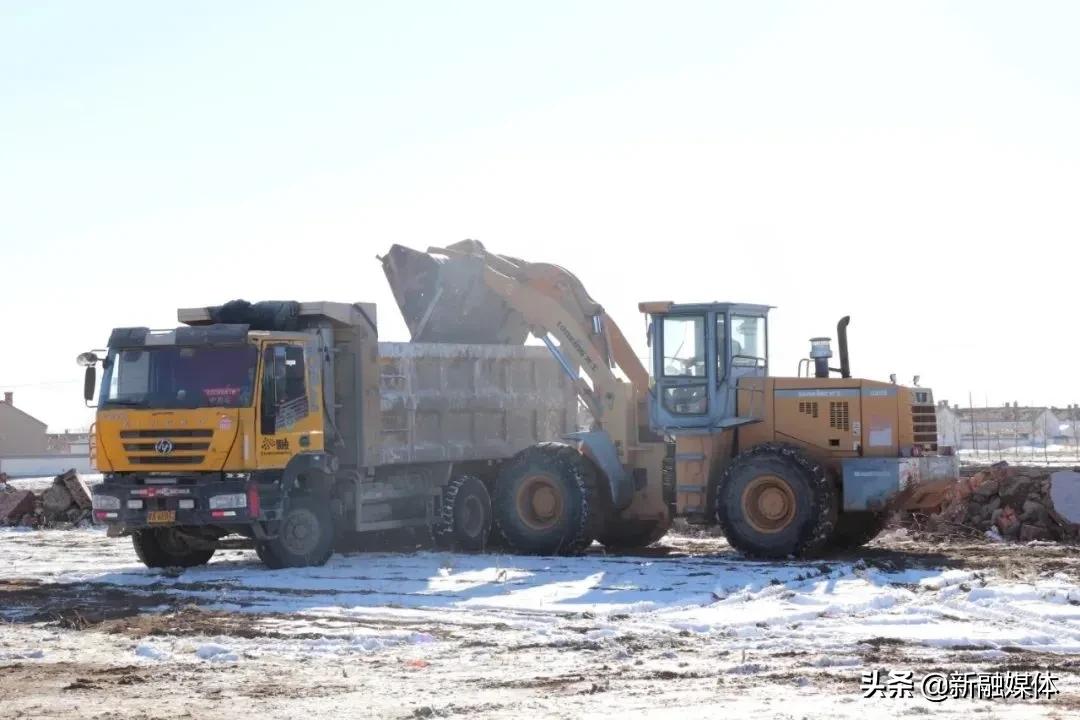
(748,343)
(684,346)
(721,353)
(684,386)
(284,395)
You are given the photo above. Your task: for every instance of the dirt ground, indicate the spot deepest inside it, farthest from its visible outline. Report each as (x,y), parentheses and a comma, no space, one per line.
(92,646)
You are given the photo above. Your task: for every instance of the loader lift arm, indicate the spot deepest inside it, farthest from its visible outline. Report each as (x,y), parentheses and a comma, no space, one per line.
(463,293)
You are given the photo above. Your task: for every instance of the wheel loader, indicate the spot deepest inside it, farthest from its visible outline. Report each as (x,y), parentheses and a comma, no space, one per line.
(787,466)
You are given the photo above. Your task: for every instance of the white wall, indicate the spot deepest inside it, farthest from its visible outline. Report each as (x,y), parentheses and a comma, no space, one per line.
(44,465)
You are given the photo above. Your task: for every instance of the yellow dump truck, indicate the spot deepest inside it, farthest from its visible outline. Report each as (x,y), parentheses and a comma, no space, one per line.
(291,424)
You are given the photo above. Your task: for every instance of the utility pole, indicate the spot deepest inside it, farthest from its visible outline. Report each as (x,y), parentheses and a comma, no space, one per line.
(974,441)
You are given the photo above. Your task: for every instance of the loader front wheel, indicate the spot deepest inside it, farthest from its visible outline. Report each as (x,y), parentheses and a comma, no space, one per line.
(168,547)
(547,501)
(774,502)
(855,529)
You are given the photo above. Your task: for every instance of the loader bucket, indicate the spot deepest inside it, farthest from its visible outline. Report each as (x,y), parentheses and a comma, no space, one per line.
(444,299)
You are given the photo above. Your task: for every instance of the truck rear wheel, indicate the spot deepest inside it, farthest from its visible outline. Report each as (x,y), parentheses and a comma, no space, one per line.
(547,501)
(464,521)
(632,534)
(855,529)
(305,535)
(774,502)
(168,547)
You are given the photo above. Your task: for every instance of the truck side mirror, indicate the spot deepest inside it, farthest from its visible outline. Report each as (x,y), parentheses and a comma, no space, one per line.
(89,382)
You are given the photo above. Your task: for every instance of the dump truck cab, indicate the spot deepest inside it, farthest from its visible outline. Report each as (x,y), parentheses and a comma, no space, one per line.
(205,430)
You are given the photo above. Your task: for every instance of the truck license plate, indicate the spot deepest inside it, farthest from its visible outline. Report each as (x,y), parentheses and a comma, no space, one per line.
(161,516)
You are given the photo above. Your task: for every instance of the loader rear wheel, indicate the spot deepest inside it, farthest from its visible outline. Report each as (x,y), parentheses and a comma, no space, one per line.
(773,502)
(632,534)
(305,535)
(547,501)
(168,547)
(855,529)
(465,518)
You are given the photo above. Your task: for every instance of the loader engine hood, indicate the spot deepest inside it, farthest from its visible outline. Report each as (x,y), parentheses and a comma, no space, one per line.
(443,297)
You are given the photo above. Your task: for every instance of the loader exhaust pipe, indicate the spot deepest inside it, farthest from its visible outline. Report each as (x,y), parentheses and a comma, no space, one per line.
(841,338)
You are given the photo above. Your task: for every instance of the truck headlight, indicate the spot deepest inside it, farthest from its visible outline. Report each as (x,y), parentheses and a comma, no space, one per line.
(236,500)
(106,502)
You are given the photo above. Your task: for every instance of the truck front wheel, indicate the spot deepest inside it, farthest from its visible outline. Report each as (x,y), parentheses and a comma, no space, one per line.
(168,547)
(305,535)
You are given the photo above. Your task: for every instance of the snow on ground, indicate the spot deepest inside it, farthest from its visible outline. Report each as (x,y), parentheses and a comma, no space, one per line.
(677,631)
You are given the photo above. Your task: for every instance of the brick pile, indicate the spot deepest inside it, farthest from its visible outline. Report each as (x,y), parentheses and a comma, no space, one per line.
(1012,503)
(65,503)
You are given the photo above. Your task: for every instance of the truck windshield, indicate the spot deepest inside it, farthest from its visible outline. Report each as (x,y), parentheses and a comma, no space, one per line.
(179,377)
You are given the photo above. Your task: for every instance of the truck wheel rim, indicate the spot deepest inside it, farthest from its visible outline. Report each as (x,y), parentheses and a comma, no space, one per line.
(539,502)
(472,516)
(300,532)
(768,504)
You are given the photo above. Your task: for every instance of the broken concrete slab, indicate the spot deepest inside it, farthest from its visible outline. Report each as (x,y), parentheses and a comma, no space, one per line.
(14,505)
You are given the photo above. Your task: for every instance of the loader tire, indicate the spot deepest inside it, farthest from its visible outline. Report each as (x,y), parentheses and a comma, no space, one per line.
(547,501)
(632,534)
(167,547)
(855,529)
(774,502)
(464,521)
(305,535)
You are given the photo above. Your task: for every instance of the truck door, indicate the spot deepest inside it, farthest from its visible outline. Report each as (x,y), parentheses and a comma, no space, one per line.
(289,421)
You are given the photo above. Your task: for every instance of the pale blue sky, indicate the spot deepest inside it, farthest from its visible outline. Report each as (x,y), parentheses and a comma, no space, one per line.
(914,164)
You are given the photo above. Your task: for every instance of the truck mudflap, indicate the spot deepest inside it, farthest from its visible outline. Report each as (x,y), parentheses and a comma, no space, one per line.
(876,484)
(230,502)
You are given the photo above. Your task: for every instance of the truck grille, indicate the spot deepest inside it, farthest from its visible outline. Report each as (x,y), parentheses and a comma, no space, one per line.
(142,446)
(924,426)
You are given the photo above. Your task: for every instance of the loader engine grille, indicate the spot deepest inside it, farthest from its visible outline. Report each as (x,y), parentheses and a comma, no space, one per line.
(839,416)
(808,408)
(924,426)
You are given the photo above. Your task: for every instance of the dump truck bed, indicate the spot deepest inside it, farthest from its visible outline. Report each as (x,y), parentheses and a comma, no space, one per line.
(445,401)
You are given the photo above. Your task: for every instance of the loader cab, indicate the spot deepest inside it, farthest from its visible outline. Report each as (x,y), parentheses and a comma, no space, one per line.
(699,354)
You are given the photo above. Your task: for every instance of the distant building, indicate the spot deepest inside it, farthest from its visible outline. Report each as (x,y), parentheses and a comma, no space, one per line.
(20,432)
(69,443)
(1069,425)
(997,428)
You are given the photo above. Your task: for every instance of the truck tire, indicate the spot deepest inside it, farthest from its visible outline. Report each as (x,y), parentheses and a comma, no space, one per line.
(774,502)
(167,547)
(547,501)
(305,535)
(464,521)
(855,529)
(632,534)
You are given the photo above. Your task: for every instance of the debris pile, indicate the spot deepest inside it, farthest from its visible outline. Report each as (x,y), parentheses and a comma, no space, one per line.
(65,503)
(1011,503)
